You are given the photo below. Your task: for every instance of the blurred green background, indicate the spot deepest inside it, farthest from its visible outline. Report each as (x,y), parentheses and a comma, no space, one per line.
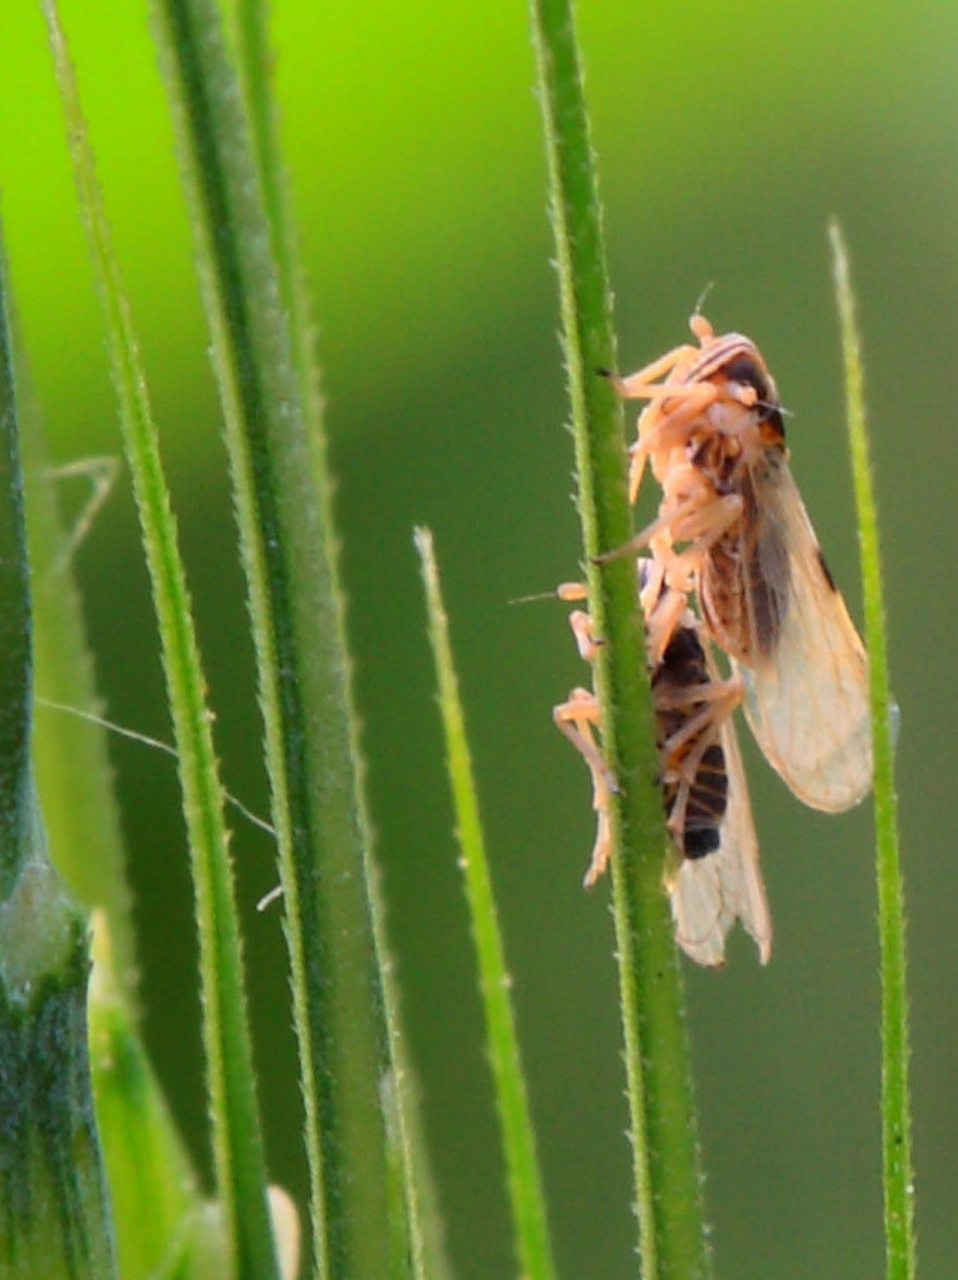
(728,135)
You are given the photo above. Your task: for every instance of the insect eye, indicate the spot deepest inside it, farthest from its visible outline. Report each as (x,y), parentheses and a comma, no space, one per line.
(745,369)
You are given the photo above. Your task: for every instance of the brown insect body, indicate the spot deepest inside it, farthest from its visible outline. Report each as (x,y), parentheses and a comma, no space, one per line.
(713,877)
(723,449)
(694,775)
(732,529)
(742,580)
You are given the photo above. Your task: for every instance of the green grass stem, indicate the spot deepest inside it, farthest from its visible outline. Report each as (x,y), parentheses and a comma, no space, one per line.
(71,756)
(411,1175)
(16,642)
(898,1173)
(532,1243)
(673,1241)
(283,504)
(55,1216)
(237,1142)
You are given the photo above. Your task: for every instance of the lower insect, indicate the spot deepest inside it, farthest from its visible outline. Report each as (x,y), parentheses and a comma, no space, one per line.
(713,876)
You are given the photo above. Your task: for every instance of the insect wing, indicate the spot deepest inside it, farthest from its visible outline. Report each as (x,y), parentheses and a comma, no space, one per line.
(806,695)
(709,893)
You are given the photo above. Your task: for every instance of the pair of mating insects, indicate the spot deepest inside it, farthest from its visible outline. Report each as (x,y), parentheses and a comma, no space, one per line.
(732,531)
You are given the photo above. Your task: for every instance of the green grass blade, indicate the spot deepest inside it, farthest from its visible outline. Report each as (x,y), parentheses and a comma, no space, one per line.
(250,18)
(16,643)
(157,1203)
(71,756)
(664,1131)
(238,1150)
(896,1099)
(283,504)
(54,1204)
(533,1247)
(411,1177)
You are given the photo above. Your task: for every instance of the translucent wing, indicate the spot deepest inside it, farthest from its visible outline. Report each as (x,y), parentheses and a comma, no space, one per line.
(709,893)
(806,688)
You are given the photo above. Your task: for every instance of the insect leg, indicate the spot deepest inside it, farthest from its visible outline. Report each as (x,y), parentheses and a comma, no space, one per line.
(691,517)
(636,386)
(585,639)
(706,522)
(679,765)
(662,429)
(717,700)
(663,623)
(685,778)
(577,719)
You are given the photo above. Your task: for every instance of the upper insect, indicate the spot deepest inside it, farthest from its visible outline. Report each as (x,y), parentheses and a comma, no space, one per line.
(732,528)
